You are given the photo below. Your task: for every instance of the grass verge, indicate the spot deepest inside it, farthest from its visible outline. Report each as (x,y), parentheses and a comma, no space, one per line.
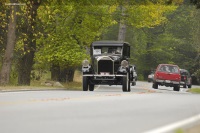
(36,86)
(40,85)
(195,90)
(73,85)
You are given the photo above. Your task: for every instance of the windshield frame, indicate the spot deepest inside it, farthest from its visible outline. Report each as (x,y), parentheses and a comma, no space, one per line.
(107,50)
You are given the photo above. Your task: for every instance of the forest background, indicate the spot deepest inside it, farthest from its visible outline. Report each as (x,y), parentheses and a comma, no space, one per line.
(53,36)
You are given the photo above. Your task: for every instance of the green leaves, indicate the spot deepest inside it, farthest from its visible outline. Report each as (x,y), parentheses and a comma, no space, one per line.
(71,29)
(148,15)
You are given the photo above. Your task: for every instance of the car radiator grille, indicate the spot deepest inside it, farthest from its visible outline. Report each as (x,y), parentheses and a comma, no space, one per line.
(105,66)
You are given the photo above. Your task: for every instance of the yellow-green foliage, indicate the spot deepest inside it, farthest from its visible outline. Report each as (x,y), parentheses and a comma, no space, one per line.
(148,15)
(71,28)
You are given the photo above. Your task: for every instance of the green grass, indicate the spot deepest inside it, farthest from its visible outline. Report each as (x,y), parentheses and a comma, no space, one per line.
(68,86)
(179,131)
(36,85)
(195,90)
(73,85)
(40,84)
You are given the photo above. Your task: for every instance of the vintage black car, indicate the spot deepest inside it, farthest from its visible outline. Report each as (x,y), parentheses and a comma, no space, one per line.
(109,65)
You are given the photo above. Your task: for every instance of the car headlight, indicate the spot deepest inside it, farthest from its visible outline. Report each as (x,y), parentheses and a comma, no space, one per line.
(124,63)
(85,63)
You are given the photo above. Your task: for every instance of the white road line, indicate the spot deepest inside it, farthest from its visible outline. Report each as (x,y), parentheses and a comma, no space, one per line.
(175,125)
(97,87)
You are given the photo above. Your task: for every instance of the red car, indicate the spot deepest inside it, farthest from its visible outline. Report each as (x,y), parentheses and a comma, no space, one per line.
(167,75)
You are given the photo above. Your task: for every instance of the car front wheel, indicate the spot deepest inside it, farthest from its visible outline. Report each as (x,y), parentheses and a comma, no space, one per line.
(189,86)
(155,85)
(185,86)
(85,83)
(134,82)
(91,87)
(176,88)
(126,84)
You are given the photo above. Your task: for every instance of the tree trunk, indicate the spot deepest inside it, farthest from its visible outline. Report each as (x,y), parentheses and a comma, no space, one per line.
(55,72)
(62,75)
(11,38)
(26,62)
(122,26)
(70,74)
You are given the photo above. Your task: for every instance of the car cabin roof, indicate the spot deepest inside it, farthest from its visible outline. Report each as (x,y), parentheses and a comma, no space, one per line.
(109,43)
(167,65)
(183,70)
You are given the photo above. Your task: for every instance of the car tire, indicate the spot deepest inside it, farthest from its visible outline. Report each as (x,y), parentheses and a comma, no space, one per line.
(176,88)
(184,86)
(189,86)
(85,83)
(91,87)
(155,85)
(126,84)
(133,83)
(129,86)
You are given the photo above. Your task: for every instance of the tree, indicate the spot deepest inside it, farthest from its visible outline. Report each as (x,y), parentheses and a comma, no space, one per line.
(11,37)
(196,45)
(140,19)
(3,24)
(26,61)
(71,29)
(175,41)
(196,2)
(64,30)
(3,28)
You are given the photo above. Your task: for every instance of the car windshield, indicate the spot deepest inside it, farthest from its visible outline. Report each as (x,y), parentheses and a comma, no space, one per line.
(170,69)
(107,50)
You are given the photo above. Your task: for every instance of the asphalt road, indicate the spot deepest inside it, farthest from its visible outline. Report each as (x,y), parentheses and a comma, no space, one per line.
(105,110)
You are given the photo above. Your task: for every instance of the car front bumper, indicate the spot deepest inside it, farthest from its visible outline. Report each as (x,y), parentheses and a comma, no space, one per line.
(167,82)
(105,79)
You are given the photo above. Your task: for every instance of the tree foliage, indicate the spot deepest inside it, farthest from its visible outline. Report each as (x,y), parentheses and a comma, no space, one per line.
(59,32)
(68,32)
(3,26)
(11,39)
(148,15)
(174,41)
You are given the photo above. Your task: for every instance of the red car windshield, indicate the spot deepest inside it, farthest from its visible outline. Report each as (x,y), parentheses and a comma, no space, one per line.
(168,68)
